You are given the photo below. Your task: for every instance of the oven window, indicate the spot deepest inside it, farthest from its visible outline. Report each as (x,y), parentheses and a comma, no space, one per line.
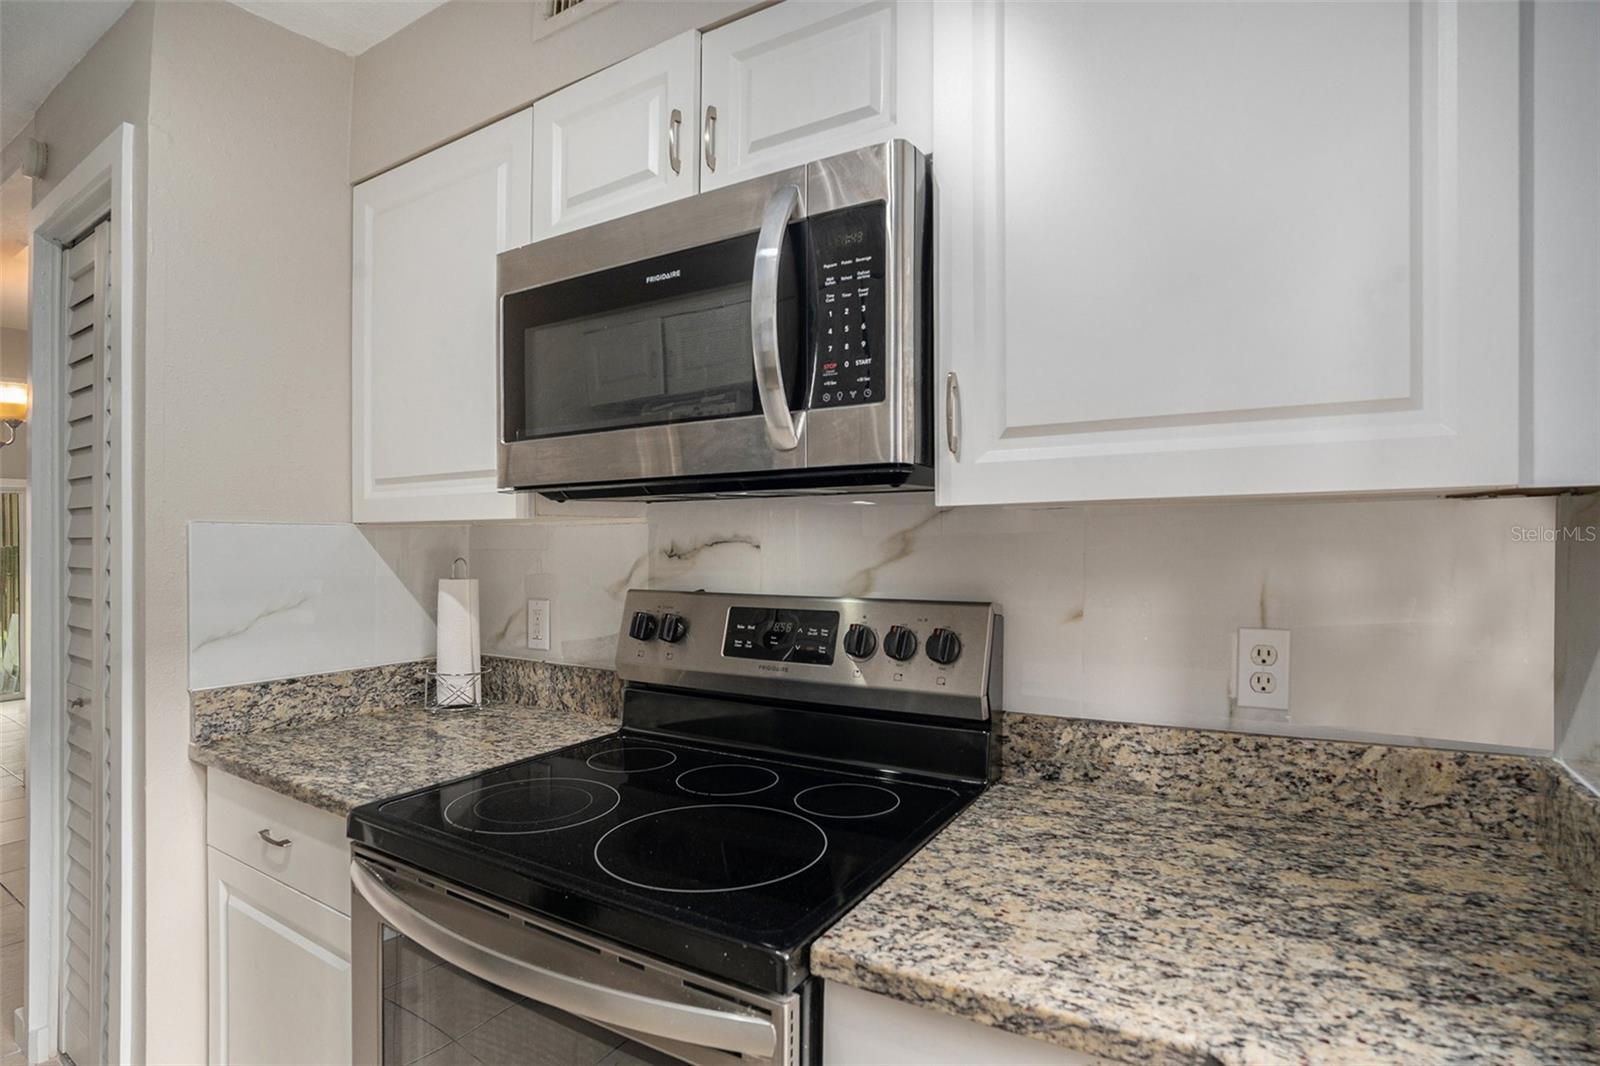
(658,341)
(437,1015)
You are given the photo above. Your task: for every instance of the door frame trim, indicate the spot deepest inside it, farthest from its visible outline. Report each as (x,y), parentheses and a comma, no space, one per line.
(100,185)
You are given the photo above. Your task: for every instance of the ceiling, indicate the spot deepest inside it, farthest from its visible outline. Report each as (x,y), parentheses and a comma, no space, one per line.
(40,40)
(351,26)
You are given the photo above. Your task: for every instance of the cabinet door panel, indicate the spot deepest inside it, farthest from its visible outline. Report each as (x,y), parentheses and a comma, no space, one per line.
(604,145)
(1205,249)
(279,971)
(424,336)
(801,81)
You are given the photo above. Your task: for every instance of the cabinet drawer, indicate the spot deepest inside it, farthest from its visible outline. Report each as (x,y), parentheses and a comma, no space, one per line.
(315,860)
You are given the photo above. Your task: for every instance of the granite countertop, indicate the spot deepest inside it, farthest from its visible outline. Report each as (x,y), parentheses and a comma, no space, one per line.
(341,764)
(1143,929)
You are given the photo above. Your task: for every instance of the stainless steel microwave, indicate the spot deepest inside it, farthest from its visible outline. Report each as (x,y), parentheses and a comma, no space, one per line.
(770,337)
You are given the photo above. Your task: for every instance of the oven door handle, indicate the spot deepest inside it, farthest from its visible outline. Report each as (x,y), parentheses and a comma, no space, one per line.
(783,429)
(696,1026)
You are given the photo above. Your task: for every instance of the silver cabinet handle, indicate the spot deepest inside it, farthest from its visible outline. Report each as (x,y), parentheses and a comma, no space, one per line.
(708,137)
(952,401)
(673,129)
(266,834)
(697,1026)
(783,432)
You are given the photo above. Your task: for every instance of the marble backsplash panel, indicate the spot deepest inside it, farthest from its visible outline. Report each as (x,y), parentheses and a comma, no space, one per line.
(278,600)
(1414,621)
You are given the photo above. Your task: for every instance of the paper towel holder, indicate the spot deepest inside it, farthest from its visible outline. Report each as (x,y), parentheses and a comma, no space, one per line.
(453,692)
(450,692)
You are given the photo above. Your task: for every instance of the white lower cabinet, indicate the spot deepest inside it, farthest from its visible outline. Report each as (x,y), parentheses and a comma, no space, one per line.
(279,953)
(866,1029)
(279,971)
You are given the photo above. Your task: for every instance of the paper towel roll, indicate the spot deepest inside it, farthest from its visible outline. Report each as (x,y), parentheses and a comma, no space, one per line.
(458,642)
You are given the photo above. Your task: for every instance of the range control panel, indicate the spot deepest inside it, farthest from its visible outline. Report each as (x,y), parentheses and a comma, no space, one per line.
(847,262)
(922,656)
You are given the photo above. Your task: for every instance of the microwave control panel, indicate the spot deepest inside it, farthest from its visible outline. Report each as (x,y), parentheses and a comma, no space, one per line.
(847,272)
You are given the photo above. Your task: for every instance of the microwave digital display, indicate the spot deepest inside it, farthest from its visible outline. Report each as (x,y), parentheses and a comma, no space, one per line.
(848,344)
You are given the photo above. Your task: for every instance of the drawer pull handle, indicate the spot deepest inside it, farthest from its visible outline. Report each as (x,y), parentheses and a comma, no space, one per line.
(266,834)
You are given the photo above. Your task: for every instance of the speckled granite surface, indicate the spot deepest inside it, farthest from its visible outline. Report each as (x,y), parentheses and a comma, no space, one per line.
(1468,790)
(581,689)
(299,701)
(342,764)
(1569,830)
(1144,929)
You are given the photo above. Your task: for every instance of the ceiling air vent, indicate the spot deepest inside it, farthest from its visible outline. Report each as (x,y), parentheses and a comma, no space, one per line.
(558,6)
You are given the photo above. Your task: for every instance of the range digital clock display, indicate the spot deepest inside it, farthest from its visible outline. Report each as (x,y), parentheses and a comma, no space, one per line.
(773,634)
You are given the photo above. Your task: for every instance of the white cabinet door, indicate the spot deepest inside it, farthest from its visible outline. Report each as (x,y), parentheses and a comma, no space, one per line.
(1212,249)
(619,141)
(423,340)
(867,1029)
(279,971)
(810,78)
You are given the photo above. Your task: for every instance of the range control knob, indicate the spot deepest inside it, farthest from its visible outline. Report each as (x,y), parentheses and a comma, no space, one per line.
(900,643)
(673,628)
(860,642)
(643,626)
(944,647)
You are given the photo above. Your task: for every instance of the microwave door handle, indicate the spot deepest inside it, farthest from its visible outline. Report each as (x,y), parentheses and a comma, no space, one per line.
(696,1026)
(783,429)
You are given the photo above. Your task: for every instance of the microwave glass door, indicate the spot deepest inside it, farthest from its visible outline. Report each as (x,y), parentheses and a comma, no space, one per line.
(658,341)
(437,1015)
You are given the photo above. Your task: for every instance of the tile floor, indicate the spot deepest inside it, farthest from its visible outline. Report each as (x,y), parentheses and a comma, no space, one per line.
(13,872)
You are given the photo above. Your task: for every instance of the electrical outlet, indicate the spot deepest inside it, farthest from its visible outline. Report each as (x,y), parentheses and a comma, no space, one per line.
(1262,673)
(539,624)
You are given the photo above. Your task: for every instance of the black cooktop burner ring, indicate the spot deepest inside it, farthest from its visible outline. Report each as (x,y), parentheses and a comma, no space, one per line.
(609,800)
(895,796)
(700,807)
(724,766)
(624,750)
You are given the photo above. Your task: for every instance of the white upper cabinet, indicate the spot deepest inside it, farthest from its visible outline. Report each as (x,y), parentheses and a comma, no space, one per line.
(618,141)
(807,79)
(423,339)
(1213,249)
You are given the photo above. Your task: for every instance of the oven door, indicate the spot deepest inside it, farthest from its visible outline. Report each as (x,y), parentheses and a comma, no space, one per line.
(448,976)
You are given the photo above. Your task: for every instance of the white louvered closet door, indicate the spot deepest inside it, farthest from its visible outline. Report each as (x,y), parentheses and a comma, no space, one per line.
(87,690)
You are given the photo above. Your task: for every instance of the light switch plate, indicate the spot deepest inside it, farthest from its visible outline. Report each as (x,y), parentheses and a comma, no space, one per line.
(1262,672)
(539,625)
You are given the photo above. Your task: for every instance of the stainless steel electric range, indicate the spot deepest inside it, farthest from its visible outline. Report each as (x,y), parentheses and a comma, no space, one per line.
(651,896)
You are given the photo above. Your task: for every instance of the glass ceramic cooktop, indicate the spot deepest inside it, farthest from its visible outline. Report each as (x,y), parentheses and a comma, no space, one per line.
(626,835)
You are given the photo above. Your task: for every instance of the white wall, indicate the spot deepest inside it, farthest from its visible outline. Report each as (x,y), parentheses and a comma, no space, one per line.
(1412,620)
(246,392)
